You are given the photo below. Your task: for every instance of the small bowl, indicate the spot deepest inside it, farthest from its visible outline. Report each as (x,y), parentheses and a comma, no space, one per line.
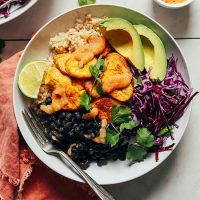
(173,5)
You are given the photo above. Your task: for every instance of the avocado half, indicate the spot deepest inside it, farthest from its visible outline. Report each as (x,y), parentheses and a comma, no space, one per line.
(154,53)
(124,38)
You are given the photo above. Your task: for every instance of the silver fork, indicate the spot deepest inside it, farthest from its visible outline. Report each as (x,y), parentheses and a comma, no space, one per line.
(39,134)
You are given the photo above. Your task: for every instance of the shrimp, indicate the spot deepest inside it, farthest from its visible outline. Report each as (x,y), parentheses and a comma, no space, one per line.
(73,69)
(67,98)
(123,94)
(78,64)
(104,106)
(117,74)
(55,78)
(60,61)
(91,89)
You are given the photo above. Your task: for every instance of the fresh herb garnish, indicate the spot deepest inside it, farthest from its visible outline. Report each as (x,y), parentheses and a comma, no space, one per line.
(128,125)
(86,101)
(99,88)
(144,137)
(165,131)
(112,137)
(86,2)
(120,115)
(136,153)
(96,70)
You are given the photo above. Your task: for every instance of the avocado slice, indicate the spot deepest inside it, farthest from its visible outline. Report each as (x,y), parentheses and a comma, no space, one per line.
(154,53)
(124,38)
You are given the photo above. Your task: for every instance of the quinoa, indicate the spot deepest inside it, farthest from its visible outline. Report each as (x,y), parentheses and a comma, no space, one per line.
(76,36)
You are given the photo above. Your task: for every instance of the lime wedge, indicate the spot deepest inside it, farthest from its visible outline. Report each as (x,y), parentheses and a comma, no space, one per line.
(30,77)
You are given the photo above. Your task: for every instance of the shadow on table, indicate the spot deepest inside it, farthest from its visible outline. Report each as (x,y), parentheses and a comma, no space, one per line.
(177,21)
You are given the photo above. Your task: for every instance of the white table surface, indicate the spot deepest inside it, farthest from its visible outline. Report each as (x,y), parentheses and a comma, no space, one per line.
(179,176)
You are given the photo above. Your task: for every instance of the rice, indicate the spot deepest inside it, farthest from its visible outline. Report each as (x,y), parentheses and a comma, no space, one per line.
(76,36)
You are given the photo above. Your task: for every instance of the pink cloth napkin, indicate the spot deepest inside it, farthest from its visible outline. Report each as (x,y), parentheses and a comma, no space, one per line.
(20,170)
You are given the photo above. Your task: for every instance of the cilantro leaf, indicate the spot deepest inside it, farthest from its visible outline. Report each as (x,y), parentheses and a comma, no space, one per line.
(97,69)
(99,88)
(86,2)
(86,101)
(112,137)
(144,137)
(136,153)
(128,125)
(165,131)
(120,114)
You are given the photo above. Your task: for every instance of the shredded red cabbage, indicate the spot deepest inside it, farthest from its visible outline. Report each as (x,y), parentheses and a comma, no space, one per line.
(6,10)
(159,105)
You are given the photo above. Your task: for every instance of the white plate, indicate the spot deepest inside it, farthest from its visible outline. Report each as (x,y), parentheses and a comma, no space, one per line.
(37,48)
(15,12)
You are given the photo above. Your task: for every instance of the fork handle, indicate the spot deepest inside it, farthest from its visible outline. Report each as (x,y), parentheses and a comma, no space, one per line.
(100,191)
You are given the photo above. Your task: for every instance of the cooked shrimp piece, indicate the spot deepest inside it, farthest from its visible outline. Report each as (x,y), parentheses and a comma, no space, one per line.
(123,94)
(117,74)
(67,98)
(104,106)
(91,89)
(102,133)
(59,99)
(92,114)
(96,44)
(78,64)
(73,69)
(55,78)
(60,61)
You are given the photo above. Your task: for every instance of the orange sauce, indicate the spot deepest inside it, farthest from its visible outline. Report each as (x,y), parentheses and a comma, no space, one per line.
(173,1)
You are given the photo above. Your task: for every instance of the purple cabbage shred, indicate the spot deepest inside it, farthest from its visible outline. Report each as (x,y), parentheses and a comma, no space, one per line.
(159,105)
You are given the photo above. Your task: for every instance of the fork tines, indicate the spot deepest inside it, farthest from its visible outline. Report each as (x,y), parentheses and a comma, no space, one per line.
(34,123)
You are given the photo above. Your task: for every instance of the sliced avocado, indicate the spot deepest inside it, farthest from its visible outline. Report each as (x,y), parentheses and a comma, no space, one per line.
(125,40)
(154,53)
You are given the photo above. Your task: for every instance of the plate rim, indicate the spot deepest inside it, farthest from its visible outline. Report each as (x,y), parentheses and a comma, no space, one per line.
(75,178)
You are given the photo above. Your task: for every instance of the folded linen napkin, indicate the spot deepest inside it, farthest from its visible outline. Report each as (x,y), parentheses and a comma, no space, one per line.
(21,173)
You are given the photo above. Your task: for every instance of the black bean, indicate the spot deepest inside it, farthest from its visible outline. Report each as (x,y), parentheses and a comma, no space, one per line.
(70,134)
(68,125)
(75,125)
(91,151)
(80,146)
(101,162)
(58,122)
(61,129)
(122,157)
(62,115)
(51,118)
(89,131)
(82,126)
(77,115)
(52,126)
(84,165)
(77,130)
(74,150)
(48,101)
(68,116)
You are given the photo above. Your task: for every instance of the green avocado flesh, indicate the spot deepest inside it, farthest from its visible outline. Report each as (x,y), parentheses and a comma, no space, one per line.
(124,38)
(154,53)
